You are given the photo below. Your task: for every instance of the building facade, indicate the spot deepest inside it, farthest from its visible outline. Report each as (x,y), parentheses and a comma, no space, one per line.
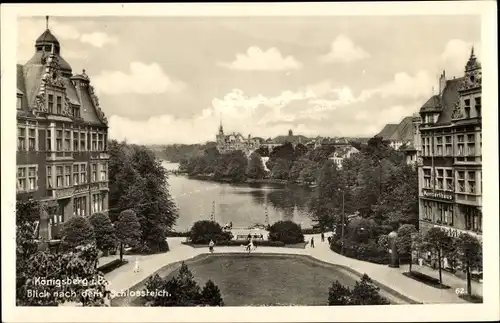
(341,153)
(414,149)
(450,172)
(62,156)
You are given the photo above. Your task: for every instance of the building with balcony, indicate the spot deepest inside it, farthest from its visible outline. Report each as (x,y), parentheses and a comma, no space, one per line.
(62,132)
(450,173)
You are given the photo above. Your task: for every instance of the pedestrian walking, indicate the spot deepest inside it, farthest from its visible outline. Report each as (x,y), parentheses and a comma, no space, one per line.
(322,237)
(329,239)
(312,242)
(211,246)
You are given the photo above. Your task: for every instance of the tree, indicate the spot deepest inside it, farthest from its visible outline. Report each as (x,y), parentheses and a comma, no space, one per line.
(469,254)
(439,243)
(77,231)
(287,232)
(280,169)
(104,232)
(189,289)
(365,292)
(236,166)
(138,182)
(404,241)
(255,167)
(338,294)
(210,295)
(263,151)
(128,230)
(34,266)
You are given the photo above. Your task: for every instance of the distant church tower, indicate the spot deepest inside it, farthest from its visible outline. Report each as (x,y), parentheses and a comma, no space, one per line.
(290,133)
(220,138)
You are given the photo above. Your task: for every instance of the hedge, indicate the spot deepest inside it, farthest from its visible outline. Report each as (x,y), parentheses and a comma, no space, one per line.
(174,234)
(363,251)
(232,243)
(286,231)
(112,265)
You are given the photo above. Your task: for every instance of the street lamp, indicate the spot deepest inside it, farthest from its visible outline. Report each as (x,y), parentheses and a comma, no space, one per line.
(343,224)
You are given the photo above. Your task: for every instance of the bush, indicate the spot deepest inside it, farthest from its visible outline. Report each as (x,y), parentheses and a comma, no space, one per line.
(77,231)
(182,291)
(287,232)
(178,234)
(312,231)
(365,292)
(203,231)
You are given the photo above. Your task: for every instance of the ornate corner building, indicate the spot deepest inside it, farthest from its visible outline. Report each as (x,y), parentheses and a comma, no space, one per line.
(450,172)
(62,156)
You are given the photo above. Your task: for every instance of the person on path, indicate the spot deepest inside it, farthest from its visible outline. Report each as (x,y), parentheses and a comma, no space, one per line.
(329,239)
(312,242)
(250,246)
(136,265)
(211,246)
(322,237)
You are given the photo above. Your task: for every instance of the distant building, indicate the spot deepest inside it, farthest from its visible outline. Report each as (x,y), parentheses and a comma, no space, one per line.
(413,150)
(62,132)
(398,135)
(450,171)
(236,141)
(341,153)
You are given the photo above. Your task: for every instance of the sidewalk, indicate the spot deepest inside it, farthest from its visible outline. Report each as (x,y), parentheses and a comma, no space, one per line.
(124,277)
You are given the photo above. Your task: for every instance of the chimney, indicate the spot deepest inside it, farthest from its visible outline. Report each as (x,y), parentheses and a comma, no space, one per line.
(442,82)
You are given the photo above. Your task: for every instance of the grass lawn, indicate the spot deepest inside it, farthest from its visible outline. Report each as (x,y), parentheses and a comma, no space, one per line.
(260,279)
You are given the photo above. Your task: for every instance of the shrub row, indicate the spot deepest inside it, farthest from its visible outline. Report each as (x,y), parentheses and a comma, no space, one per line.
(174,234)
(312,231)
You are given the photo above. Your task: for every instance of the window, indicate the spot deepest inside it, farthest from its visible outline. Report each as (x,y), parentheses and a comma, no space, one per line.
(32,178)
(76,174)
(83,173)
(51,103)
(467,108)
(103,171)
(59,104)
(94,172)
(59,139)
(97,203)
(440,179)
(473,219)
(82,141)
(427,210)
(448,146)
(59,176)
(79,205)
(31,139)
(49,176)
(477,106)
(18,103)
(461,181)
(470,145)
(427,178)
(76,112)
(441,211)
(471,182)
(100,142)
(21,178)
(75,141)
(21,139)
(449,215)
(460,145)
(439,146)
(67,140)
(48,144)
(94,142)
(67,175)
(449,179)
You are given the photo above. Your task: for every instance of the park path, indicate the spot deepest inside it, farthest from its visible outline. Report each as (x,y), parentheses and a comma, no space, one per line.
(124,277)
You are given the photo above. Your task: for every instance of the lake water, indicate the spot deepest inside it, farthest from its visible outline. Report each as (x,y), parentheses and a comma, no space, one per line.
(243,204)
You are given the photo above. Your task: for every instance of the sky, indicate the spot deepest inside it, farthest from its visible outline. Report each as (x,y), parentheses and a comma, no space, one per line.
(163,80)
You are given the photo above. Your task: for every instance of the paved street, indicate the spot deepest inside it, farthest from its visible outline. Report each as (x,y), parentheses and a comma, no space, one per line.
(124,277)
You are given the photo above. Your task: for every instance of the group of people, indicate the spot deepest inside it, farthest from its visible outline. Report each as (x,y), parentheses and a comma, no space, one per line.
(329,238)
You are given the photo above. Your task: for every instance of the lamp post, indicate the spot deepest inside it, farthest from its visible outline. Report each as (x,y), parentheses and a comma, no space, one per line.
(343,225)
(394,263)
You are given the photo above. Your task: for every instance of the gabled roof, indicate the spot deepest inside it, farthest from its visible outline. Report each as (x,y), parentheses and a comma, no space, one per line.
(387,131)
(433,104)
(404,130)
(449,98)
